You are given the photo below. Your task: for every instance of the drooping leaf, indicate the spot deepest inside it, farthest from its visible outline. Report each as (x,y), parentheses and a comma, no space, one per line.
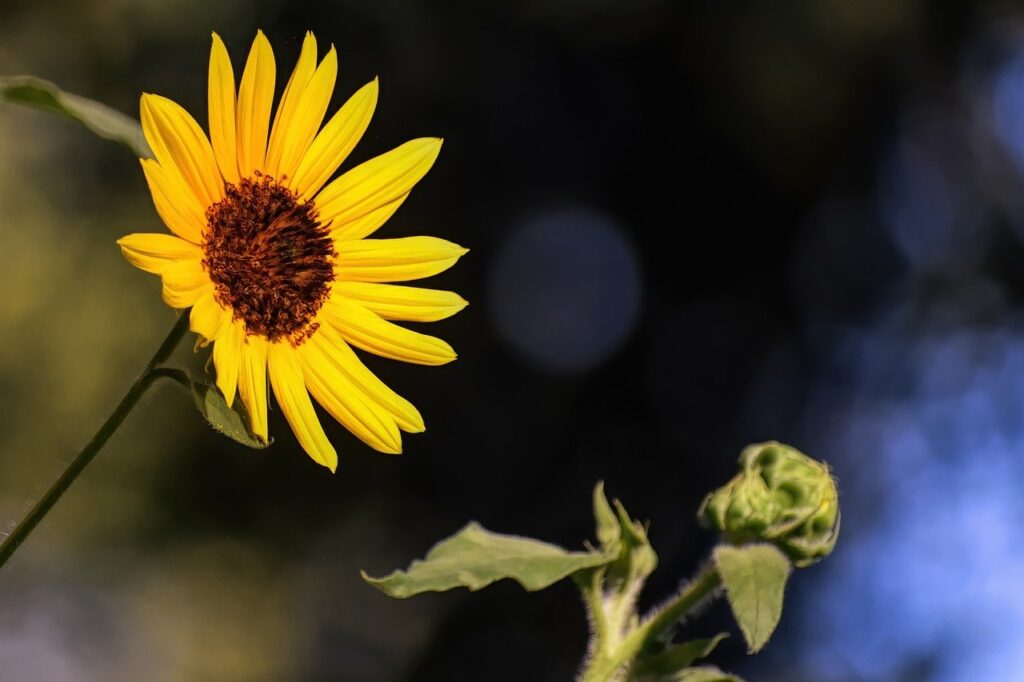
(99,118)
(754,577)
(475,557)
(232,422)
(707,673)
(678,656)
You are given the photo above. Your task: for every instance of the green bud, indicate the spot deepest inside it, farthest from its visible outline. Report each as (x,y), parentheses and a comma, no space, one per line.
(781,496)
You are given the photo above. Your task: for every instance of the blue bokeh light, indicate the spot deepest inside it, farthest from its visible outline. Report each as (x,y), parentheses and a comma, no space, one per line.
(1008,107)
(917,399)
(565,289)
(928,567)
(925,202)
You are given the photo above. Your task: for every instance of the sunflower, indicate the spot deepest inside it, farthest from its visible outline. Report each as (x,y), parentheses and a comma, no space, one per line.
(274,260)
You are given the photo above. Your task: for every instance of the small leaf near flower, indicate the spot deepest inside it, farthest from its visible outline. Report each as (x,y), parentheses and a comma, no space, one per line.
(475,557)
(675,659)
(99,118)
(639,558)
(232,422)
(608,529)
(624,538)
(754,577)
(701,674)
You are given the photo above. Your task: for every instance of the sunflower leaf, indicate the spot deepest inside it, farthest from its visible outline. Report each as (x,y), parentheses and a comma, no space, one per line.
(678,656)
(707,673)
(99,118)
(475,557)
(754,577)
(609,532)
(232,422)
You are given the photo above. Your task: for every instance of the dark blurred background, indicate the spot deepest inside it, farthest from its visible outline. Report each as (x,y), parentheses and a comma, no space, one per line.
(693,226)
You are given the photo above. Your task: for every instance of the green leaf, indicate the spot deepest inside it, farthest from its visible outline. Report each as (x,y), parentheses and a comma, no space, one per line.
(608,530)
(638,559)
(678,656)
(754,577)
(475,557)
(702,674)
(99,118)
(232,422)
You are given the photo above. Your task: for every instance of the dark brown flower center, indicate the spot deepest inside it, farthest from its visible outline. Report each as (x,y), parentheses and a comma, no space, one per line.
(271,260)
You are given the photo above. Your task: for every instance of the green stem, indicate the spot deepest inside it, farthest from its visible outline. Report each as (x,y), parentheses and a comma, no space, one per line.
(706,582)
(178,376)
(605,665)
(81,461)
(590,585)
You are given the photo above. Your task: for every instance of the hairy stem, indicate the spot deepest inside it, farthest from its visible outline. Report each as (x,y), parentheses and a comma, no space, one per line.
(610,665)
(706,582)
(152,372)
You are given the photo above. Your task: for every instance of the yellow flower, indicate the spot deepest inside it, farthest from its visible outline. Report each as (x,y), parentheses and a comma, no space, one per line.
(275,262)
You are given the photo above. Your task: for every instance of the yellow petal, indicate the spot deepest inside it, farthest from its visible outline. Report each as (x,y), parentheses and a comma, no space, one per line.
(377,182)
(304,68)
(184,283)
(178,142)
(344,360)
(208,317)
(227,358)
(335,142)
(395,260)
(252,382)
(175,202)
(301,112)
(346,403)
(367,224)
(178,262)
(221,106)
(255,98)
(393,302)
(290,389)
(157,252)
(365,329)
(312,108)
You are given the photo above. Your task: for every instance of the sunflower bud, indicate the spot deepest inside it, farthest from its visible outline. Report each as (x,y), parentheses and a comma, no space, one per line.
(780,496)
